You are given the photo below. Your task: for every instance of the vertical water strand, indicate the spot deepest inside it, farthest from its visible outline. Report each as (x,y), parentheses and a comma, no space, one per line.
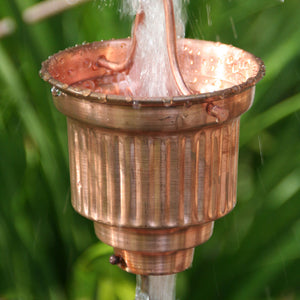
(151,64)
(155,287)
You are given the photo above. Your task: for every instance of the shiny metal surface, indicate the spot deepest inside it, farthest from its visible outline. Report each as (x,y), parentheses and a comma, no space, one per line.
(172,48)
(213,70)
(156,263)
(154,174)
(162,239)
(152,180)
(124,65)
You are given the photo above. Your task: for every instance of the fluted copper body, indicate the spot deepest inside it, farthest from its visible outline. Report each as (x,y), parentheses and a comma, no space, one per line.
(154,174)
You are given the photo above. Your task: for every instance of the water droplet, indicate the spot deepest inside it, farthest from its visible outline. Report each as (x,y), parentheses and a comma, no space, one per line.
(108,72)
(241,64)
(218,83)
(185,48)
(136,104)
(212,68)
(95,66)
(55,91)
(86,93)
(89,84)
(251,81)
(247,63)
(167,102)
(199,53)
(71,72)
(191,51)
(103,99)
(220,113)
(236,89)
(46,76)
(229,60)
(128,99)
(61,61)
(56,75)
(235,68)
(191,62)
(194,80)
(87,63)
(79,185)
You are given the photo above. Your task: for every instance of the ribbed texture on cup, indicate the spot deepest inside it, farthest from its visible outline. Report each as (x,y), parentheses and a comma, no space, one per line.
(151,180)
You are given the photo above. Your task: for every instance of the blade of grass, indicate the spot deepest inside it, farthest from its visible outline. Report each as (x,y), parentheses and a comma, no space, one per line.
(269,117)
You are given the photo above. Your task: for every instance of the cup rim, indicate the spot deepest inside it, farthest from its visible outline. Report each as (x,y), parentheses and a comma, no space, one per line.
(151,101)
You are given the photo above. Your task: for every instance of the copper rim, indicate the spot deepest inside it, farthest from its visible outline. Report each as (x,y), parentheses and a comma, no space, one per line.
(155,101)
(155,263)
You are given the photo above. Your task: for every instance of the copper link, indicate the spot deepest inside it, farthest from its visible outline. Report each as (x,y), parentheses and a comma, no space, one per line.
(171,47)
(119,67)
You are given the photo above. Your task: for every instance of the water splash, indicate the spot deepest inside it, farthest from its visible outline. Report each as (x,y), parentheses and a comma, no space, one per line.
(260,150)
(208,12)
(151,66)
(233,28)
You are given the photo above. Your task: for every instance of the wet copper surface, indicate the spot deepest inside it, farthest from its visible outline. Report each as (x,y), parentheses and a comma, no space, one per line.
(153,173)
(212,70)
(172,49)
(124,65)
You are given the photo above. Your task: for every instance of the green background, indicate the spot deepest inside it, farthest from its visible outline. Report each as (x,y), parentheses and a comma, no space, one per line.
(47,251)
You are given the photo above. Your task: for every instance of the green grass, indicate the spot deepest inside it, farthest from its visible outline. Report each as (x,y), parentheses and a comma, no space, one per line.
(47,251)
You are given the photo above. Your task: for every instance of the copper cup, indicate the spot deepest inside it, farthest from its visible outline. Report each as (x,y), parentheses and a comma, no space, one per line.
(154,174)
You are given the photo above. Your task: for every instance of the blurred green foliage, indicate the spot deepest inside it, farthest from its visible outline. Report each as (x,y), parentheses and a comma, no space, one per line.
(47,251)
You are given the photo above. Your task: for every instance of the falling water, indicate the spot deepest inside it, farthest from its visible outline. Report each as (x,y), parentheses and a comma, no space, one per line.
(155,287)
(150,74)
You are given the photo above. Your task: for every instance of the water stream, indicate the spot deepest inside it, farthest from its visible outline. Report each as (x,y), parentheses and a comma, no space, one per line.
(155,287)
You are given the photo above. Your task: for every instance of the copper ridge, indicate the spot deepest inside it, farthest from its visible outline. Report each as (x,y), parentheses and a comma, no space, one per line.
(171,46)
